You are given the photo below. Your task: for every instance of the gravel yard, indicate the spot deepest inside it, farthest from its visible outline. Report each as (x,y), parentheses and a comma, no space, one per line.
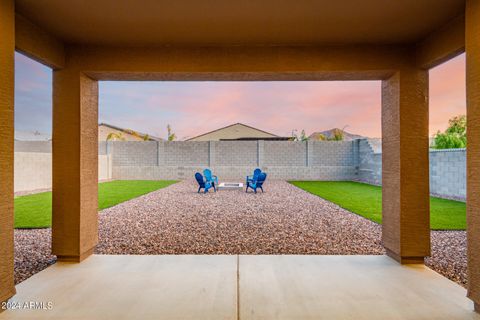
(283,220)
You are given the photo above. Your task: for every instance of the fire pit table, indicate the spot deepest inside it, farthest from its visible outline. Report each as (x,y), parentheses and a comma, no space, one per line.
(230,186)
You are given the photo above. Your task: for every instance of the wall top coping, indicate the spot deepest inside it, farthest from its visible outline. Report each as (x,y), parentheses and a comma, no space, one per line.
(448,150)
(436,150)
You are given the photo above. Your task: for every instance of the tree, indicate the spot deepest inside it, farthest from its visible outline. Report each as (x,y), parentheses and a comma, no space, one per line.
(296,137)
(115,136)
(455,136)
(338,135)
(170,135)
(144,137)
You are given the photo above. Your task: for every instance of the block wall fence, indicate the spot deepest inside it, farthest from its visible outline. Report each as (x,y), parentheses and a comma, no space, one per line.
(358,160)
(448,172)
(33,166)
(233,160)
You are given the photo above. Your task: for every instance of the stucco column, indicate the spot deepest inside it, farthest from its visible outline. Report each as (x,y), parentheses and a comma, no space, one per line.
(472,44)
(405,169)
(7,49)
(75,165)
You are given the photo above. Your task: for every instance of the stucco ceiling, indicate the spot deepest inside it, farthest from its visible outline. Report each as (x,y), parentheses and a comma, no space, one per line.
(239,22)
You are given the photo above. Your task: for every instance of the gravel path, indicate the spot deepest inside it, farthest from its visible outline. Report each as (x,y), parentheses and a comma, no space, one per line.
(283,220)
(32,252)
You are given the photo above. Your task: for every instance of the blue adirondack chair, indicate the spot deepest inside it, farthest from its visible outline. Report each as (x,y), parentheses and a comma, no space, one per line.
(257,183)
(202,183)
(253,177)
(209,177)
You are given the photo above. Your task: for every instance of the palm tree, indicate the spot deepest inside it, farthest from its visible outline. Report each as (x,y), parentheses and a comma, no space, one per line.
(144,137)
(170,135)
(337,135)
(115,136)
(296,137)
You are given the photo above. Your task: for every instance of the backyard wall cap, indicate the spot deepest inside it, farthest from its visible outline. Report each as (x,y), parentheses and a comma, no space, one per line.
(448,150)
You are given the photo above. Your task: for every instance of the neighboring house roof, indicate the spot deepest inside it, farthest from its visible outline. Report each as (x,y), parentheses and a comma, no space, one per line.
(330,134)
(131,132)
(259,138)
(31,136)
(236,131)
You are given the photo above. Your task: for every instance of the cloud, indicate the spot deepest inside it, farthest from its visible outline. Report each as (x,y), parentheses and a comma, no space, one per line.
(193,108)
(447,92)
(33,95)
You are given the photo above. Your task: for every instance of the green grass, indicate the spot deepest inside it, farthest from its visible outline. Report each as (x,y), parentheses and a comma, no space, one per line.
(35,211)
(366,201)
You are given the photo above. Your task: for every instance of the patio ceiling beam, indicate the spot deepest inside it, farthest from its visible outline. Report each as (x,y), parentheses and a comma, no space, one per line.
(7,83)
(442,45)
(473,152)
(38,44)
(361,62)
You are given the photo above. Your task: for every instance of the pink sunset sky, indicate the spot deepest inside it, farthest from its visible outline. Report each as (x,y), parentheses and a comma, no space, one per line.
(192,108)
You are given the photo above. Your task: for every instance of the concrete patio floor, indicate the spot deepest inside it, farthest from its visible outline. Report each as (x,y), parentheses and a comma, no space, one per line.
(241,287)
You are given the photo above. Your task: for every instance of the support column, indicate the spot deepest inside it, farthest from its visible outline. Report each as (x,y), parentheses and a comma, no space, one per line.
(472,47)
(405,169)
(75,165)
(7,74)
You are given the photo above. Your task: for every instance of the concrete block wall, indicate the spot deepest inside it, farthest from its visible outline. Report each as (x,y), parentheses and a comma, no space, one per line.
(234,153)
(233,160)
(234,174)
(186,153)
(370,162)
(447,169)
(33,170)
(329,153)
(141,153)
(33,146)
(284,153)
(448,173)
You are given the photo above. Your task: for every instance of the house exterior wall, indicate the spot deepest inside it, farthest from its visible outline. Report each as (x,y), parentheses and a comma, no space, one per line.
(104,131)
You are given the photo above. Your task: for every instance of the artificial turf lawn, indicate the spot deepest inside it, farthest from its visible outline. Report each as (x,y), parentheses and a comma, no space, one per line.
(366,201)
(35,211)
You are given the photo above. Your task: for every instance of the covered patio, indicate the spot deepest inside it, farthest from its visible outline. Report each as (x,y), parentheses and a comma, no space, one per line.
(395,42)
(241,287)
